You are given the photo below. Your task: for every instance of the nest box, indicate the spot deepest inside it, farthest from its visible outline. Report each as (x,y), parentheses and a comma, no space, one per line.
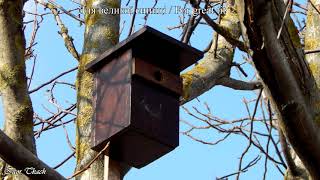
(136,96)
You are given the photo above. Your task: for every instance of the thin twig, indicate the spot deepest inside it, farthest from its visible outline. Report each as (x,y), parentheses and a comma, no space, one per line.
(133,17)
(250,135)
(311,51)
(64,161)
(314,6)
(66,12)
(288,10)
(52,80)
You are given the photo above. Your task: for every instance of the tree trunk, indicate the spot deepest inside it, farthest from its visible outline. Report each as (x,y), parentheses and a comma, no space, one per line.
(283,68)
(18,111)
(101,33)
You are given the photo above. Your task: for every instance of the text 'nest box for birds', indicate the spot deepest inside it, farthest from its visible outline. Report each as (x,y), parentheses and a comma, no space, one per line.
(136,96)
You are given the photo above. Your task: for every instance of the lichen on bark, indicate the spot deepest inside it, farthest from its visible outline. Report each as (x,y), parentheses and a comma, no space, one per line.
(101,33)
(283,68)
(312,39)
(18,111)
(209,71)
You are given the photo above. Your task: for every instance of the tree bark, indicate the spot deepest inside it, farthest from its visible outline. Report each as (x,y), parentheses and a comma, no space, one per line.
(18,111)
(101,33)
(215,68)
(283,68)
(312,42)
(21,158)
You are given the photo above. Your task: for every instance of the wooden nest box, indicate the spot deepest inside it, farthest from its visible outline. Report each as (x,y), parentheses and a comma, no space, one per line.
(136,96)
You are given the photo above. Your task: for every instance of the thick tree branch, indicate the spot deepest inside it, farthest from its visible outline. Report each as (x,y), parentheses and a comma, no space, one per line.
(214,69)
(239,85)
(17,106)
(234,40)
(21,158)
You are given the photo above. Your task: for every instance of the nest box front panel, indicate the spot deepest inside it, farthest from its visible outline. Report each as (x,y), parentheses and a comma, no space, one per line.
(154,125)
(112,99)
(155,111)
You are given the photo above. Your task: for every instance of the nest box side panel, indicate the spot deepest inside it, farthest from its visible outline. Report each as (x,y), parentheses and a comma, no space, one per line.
(112,96)
(137,150)
(155,112)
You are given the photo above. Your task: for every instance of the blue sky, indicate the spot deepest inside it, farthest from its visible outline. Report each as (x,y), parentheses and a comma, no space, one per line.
(191,160)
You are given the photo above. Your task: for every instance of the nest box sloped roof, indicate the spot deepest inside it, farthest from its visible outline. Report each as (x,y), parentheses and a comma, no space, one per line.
(161,49)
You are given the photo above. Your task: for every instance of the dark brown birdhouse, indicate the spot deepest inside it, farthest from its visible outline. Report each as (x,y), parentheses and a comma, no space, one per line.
(136,96)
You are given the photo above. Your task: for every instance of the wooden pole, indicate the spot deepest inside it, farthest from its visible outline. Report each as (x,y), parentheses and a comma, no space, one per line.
(112,169)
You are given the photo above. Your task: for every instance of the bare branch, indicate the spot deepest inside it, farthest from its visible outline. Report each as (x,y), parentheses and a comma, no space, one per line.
(52,80)
(250,136)
(68,40)
(222,31)
(133,17)
(90,163)
(312,51)
(65,11)
(64,161)
(239,85)
(244,169)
